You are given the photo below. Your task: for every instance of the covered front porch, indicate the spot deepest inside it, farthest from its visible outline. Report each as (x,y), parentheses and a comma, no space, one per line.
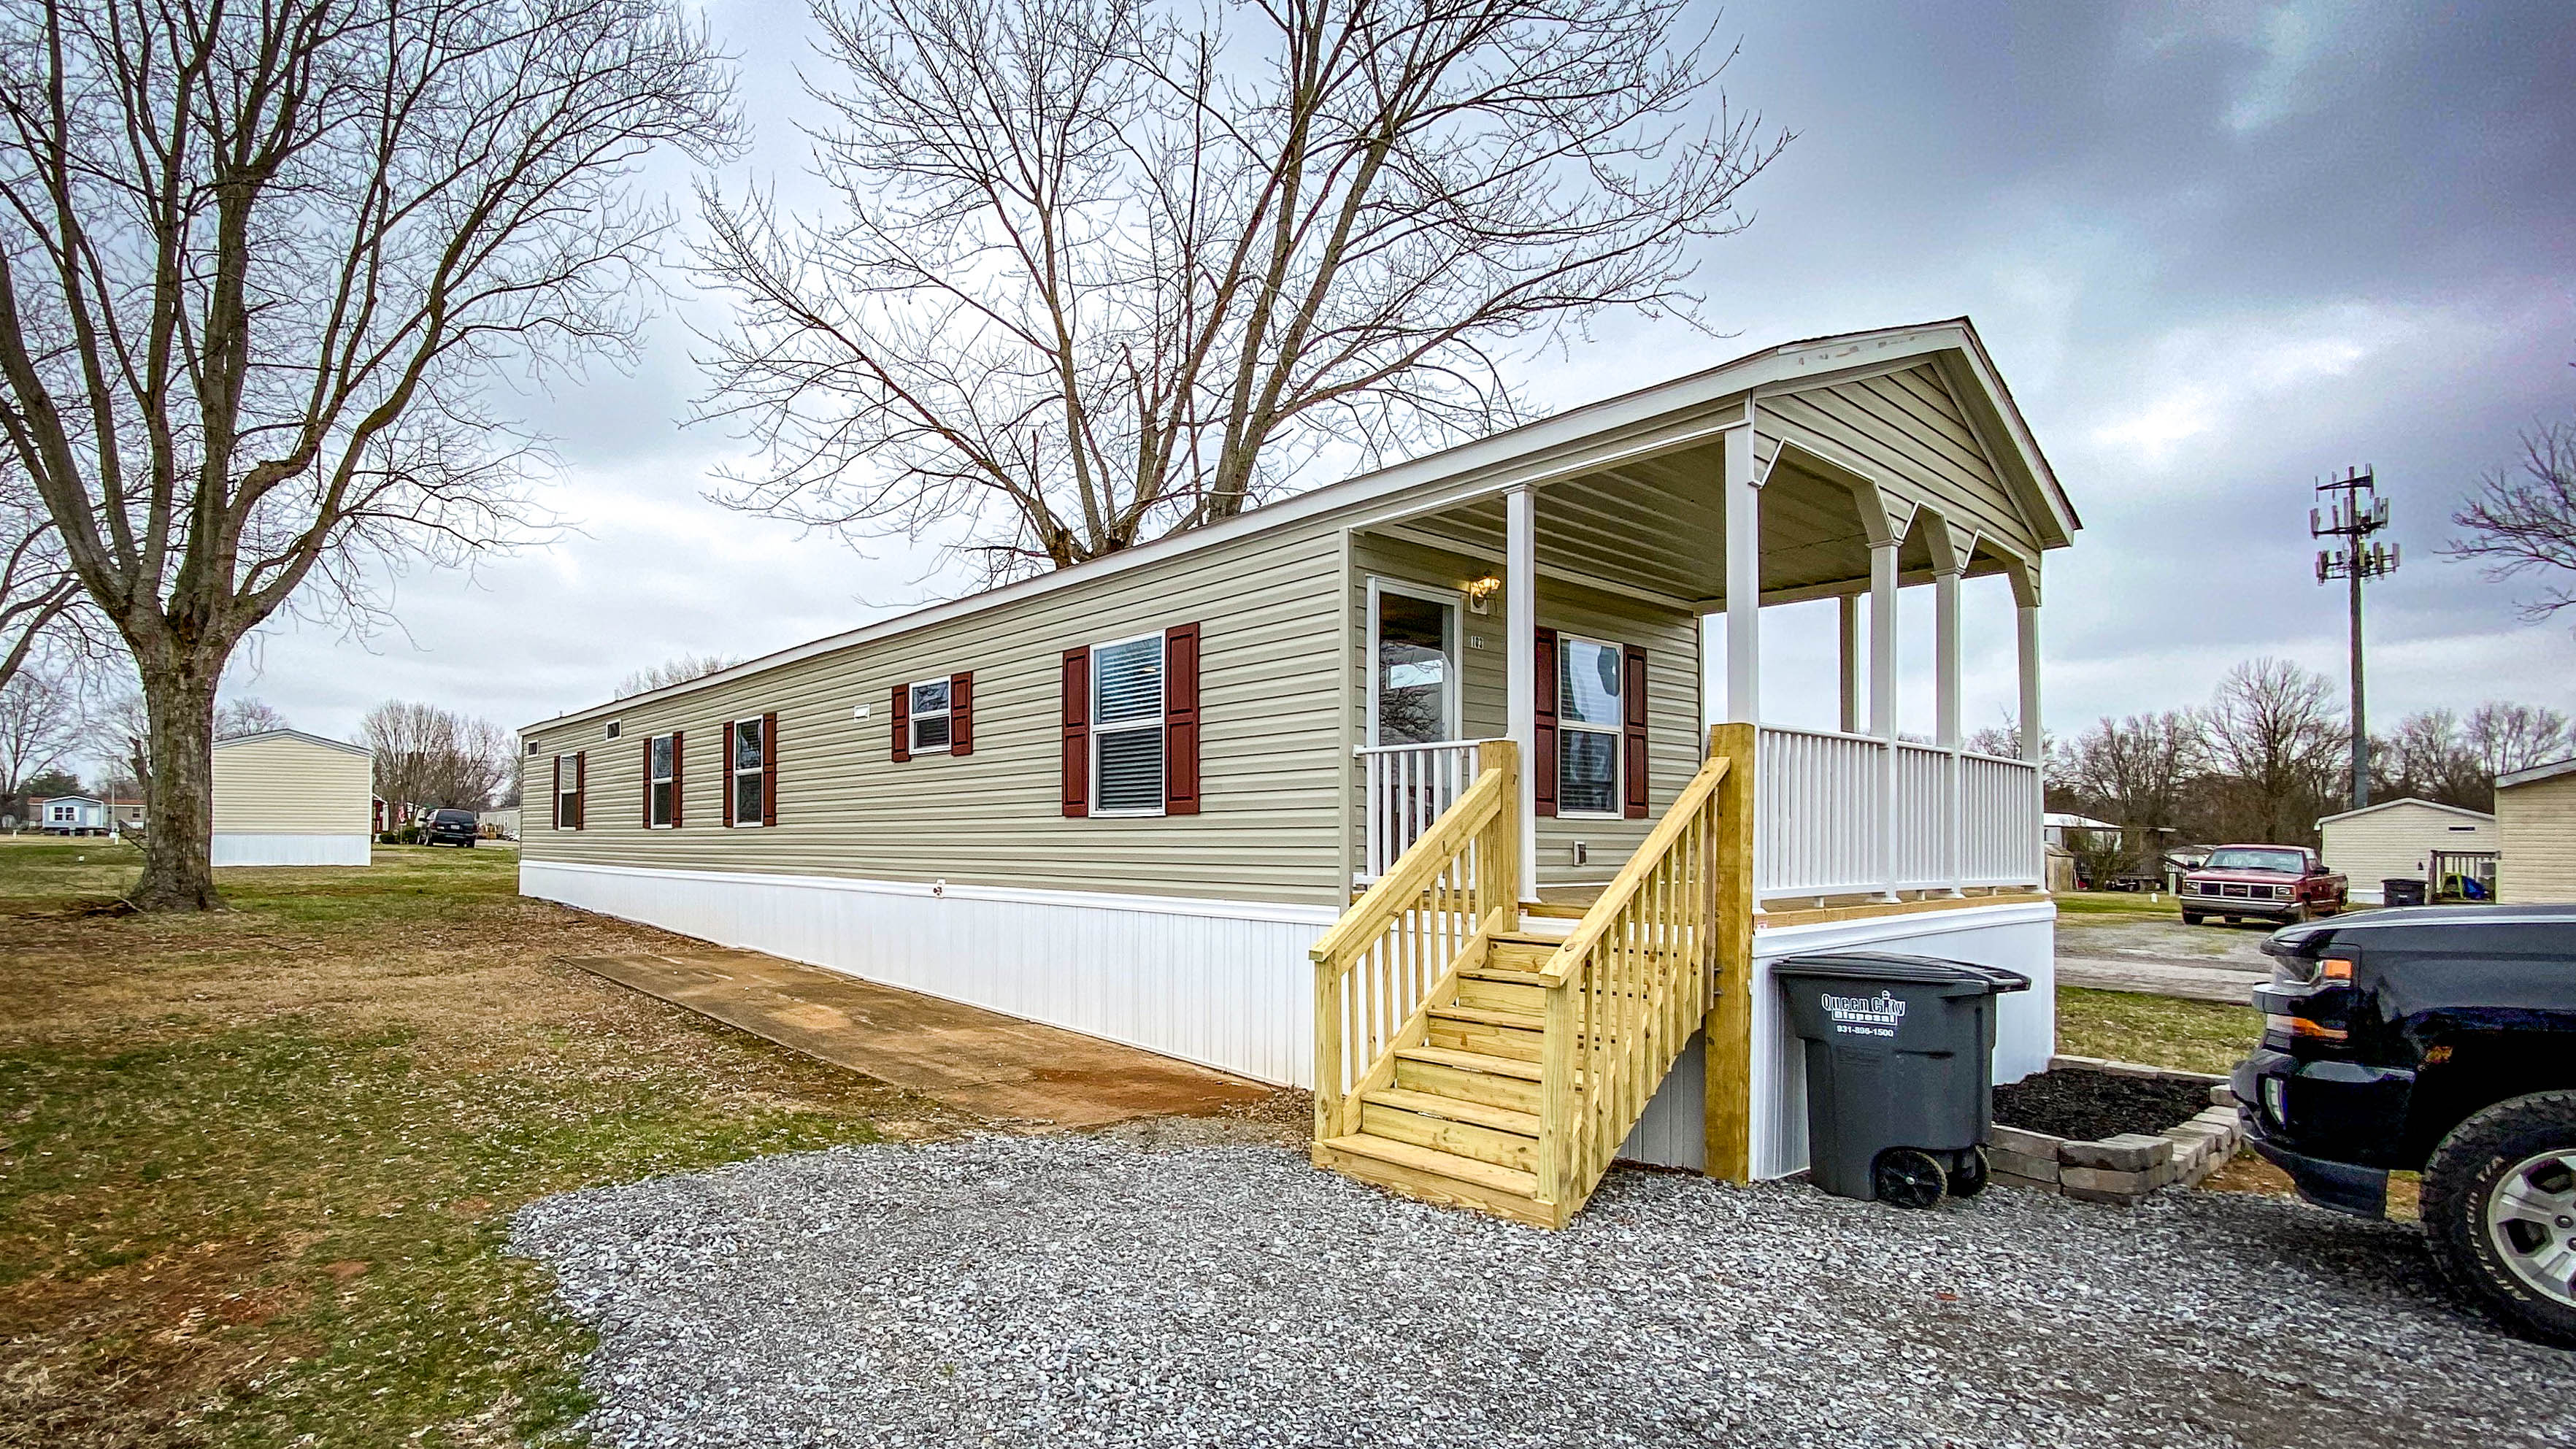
(1578,839)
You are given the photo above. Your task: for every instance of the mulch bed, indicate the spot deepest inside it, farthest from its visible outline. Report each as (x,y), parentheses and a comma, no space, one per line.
(2088,1106)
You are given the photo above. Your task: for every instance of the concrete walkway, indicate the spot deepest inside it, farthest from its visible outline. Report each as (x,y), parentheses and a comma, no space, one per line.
(2189,980)
(999,1068)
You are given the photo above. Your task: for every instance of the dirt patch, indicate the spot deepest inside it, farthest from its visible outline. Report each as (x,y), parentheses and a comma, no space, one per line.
(2088,1106)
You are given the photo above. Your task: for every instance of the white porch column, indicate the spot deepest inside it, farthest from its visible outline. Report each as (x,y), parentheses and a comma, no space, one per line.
(1945,698)
(2025,581)
(1849,638)
(1743,577)
(1520,665)
(1882,698)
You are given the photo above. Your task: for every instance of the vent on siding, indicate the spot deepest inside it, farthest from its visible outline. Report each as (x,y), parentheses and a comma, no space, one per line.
(612,729)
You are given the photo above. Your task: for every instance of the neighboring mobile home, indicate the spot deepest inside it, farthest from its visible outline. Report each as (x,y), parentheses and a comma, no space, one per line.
(70,815)
(1136,797)
(2441,845)
(2536,834)
(283,797)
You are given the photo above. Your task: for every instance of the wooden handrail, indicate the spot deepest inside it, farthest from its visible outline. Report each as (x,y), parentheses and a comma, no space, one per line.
(1402,884)
(1623,887)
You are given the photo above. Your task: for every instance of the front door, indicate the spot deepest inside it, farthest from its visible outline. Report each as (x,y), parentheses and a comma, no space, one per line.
(1413,652)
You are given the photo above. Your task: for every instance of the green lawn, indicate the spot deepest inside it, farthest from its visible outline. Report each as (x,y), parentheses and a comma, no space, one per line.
(2161,1031)
(256,1168)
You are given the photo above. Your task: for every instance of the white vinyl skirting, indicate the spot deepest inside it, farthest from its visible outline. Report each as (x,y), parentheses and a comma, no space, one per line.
(243,849)
(1226,984)
(2020,937)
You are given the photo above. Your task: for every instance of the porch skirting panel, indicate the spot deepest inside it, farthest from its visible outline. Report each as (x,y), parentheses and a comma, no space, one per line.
(238,848)
(1225,984)
(2021,937)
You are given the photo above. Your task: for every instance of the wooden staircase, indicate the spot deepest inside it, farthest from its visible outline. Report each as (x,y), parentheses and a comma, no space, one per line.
(1471,1057)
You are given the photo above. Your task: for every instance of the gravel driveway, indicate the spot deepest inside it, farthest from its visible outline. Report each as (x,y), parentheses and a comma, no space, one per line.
(1029,1290)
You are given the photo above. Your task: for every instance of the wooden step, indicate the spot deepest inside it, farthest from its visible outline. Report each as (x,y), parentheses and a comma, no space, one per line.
(1500,991)
(1500,1119)
(1443,1134)
(1469,1076)
(1434,1176)
(1519,953)
(1520,1035)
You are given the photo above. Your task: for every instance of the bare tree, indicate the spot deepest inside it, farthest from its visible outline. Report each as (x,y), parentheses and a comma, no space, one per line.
(37,590)
(2277,740)
(2525,523)
(436,757)
(1101,270)
(673,671)
(40,728)
(246,716)
(2509,737)
(2135,771)
(2428,757)
(257,266)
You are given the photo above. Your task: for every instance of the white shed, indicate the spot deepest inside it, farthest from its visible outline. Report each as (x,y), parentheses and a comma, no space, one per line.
(2398,838)
(283,797)
(2536,809)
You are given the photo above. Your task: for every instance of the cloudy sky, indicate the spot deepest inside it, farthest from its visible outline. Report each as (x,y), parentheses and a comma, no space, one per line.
(2217,250)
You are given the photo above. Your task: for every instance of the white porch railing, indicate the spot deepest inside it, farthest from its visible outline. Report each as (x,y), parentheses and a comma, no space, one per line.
(1823,827)
(1406,787)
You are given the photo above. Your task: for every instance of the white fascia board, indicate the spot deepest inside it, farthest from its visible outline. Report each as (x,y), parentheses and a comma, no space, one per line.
(341,745)
(2537,773)
(1651,420)
(2326,820)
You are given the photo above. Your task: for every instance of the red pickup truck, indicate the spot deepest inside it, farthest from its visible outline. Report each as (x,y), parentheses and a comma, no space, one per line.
(2270,882)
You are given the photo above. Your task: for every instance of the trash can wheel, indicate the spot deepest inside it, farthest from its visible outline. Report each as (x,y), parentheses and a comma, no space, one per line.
(1909,1177)
(1968,1176)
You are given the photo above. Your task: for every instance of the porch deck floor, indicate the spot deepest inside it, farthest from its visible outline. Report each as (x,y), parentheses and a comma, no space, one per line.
(999,1068)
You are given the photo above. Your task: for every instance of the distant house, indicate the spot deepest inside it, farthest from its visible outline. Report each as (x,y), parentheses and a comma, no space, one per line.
(2536,834)
(2408,839)
(2057,825)
(283,797)
(70,815)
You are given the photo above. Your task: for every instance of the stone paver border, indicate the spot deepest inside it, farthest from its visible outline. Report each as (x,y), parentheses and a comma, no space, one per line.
(2124,1168)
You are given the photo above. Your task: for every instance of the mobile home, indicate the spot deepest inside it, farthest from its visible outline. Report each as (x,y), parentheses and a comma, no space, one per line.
(1354,791)
(283,797)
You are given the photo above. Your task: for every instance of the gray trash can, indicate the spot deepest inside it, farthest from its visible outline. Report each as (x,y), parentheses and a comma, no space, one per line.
(2401,890)
(1900,1053)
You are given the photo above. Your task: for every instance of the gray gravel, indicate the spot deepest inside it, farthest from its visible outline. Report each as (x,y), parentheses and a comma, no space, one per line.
(1028,1290)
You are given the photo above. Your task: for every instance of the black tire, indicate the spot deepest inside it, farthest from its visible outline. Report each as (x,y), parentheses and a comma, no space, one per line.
(469,845)
(2191,918)
(2299,915)
(1970,1174)
(2499,1195)
(1908,1177)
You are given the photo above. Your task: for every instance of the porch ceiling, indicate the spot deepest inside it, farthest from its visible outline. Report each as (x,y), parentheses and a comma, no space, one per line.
(1658,524)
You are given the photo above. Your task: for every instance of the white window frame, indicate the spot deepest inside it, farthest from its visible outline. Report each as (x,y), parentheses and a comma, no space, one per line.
(672,779)
(567,787)
(734,771)
(1156,720)
(1455,702)
(913,716)
(1616,731)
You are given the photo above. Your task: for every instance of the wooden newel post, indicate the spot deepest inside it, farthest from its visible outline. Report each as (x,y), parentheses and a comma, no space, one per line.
(1729,1027)
(1498,883)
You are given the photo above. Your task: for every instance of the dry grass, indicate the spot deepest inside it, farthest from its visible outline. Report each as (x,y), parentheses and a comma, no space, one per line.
(256,1167)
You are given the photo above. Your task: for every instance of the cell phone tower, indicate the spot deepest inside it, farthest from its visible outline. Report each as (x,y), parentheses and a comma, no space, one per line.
(2351,512)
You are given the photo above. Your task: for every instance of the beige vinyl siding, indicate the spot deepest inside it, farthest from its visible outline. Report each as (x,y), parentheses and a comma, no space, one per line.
(1269,684)
(1905,426)
(2398,840)
(1671,639)
(281,785)
(2536,835)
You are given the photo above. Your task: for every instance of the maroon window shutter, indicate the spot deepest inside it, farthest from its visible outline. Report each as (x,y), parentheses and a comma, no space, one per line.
(580,787)
(677,793)
(1077,732)
(1543,732)
(902,714)
(1632,733)
(1181,720)
(553,801)
(648,782)
(769,769)
(961,713)
(724,767)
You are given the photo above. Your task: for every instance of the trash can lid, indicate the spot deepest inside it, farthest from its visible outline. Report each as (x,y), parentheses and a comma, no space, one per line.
(1894,966)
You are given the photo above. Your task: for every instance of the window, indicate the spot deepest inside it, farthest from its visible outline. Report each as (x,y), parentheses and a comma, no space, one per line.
(1588,717)
(1127,727)
(1413,688)
(750,772)
(612,729)
(661,781)
(568,772)
(929,715)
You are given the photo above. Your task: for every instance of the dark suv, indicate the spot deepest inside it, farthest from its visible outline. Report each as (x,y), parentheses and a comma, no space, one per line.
(2442,1040)
(450,827)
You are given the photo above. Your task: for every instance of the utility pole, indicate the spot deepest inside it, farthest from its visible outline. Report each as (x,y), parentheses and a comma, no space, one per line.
(2352,512)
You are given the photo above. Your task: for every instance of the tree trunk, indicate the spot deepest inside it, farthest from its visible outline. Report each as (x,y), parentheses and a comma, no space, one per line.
(178,796)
